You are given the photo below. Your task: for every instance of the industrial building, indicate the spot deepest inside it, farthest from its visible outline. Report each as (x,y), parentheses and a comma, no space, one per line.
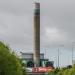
(35,62)
(28,60)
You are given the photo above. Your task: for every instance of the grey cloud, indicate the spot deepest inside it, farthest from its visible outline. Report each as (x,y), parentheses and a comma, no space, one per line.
(16,7)
(57,26)
(16,21)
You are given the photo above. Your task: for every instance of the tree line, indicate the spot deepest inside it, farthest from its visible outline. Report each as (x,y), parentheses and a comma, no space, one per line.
(69,70)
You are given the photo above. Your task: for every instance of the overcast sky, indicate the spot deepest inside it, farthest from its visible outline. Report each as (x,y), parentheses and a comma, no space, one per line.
(57,26)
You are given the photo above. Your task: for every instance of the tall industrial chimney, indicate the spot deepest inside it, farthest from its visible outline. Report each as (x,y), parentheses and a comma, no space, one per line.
(37,35)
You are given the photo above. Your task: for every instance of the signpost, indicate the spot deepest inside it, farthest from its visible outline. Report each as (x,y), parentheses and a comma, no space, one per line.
(42,69)
(39,70)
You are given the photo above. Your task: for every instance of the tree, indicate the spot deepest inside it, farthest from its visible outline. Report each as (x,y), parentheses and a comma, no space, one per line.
(9,63)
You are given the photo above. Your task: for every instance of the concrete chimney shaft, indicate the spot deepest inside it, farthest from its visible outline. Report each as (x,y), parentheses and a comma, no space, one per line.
(37,35)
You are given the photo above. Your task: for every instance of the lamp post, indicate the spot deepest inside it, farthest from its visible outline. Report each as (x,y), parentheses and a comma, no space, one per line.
(72,51)
(58,57)
(72,54)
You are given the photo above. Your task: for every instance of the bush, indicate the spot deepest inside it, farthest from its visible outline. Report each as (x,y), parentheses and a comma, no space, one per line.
(9,63)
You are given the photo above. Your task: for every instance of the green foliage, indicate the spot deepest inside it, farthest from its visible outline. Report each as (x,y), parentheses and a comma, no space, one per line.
(9,63)
(54,72)
(63,71)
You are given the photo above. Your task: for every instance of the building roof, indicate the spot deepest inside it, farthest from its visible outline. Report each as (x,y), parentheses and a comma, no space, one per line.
(25,53)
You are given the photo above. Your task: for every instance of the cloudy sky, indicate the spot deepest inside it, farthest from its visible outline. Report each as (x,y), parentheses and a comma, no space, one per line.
(57,27)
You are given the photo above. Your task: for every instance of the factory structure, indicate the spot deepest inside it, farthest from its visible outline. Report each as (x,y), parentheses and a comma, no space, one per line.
(36,61)
(44,64)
